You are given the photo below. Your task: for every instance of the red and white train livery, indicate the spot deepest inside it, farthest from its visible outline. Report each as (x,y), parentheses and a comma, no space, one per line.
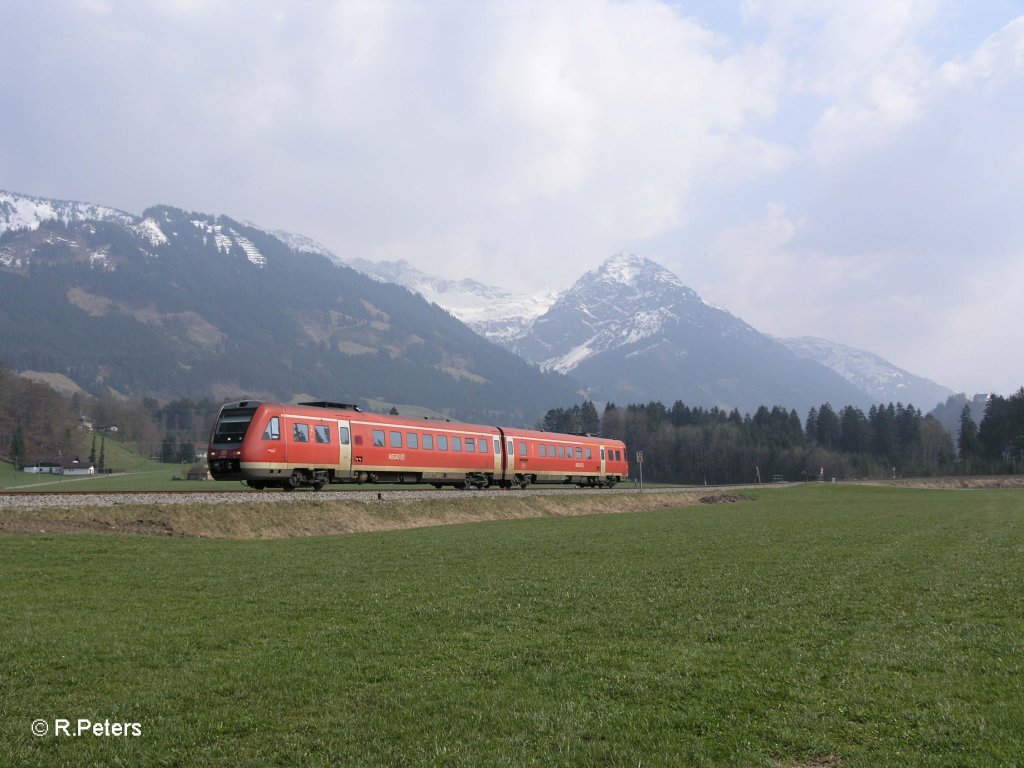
(312,444)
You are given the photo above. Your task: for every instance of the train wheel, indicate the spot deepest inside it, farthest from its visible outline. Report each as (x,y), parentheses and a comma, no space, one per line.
(318,485)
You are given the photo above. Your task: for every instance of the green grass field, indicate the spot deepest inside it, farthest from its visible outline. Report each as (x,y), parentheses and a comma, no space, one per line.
(818,625)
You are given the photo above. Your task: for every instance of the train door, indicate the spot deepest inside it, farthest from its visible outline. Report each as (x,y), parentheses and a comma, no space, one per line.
(499,466)
(344,470)
(603,470)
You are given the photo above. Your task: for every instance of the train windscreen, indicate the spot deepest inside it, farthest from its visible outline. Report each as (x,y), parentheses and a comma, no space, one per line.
(232,424)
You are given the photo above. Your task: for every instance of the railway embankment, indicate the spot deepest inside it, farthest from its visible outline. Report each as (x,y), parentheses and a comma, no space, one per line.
(274,515)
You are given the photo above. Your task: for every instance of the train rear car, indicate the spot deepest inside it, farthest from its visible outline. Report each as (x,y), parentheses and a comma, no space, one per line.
(548,457)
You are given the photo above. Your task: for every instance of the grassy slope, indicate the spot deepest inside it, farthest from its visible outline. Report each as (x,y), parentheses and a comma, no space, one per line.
(869,626)
(134,473)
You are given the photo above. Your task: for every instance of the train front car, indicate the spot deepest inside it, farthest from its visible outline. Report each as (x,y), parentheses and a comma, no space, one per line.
(271,445)
(224,454)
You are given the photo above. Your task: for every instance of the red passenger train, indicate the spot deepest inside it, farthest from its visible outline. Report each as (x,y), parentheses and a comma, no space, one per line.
(312,444)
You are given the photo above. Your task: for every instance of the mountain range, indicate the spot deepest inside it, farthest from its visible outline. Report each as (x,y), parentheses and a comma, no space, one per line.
(172,303)
(632,330)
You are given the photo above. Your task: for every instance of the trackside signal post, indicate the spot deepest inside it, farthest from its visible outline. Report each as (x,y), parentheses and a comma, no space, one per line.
(640,467)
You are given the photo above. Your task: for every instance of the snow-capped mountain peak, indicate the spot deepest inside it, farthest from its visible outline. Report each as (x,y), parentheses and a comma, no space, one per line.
(871,374)
(19,211)
(299,242)
(631,271)
(495,313)
(625,300)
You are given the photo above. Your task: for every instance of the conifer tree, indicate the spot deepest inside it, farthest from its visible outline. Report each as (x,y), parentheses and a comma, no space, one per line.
(967,440)
(590,422)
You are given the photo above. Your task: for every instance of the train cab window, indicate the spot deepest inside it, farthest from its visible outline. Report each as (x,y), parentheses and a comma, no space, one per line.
(322,433)
(561,451)
(590,453)
(273,430)
(542,450)
(442,442)
(483,445)
(470,445)
(300,433)
(428,442)
(412,440)
(378,438)
(457,444)
(396,439)
(579,452)
(618,455)
(522,448)
(343,435)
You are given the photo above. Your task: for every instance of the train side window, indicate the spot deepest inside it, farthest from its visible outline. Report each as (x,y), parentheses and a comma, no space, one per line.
(300,433)
(428,442)
(273,430)
(322,433)
(457,444)
(542,450)
(522,448)
(618,455)
(442,442)
(343,435)
(551,451)
(579,452)
(484,445)
(412,440)
(470,445)
(396,439)
(378,438)
(561,451)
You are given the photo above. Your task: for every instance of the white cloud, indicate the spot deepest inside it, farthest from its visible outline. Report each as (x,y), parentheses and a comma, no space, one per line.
(841,173)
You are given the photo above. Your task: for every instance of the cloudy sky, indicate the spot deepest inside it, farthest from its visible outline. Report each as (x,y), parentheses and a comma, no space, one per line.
(847,170)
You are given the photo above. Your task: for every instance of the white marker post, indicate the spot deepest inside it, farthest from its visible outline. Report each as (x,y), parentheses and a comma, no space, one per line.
(640,464)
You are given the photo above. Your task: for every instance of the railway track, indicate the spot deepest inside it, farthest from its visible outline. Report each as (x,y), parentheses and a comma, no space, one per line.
(58,499)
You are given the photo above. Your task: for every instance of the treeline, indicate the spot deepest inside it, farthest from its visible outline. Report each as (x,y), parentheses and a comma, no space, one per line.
(997,444)
(39,424)
(696,445)
(35,421)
